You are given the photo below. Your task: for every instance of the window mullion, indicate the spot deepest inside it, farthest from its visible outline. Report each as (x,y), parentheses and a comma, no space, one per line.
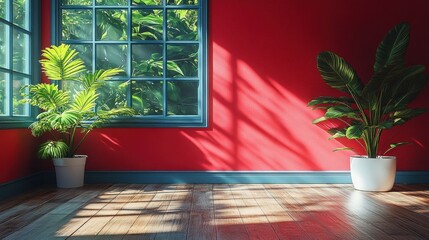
(164,62)
(129,57)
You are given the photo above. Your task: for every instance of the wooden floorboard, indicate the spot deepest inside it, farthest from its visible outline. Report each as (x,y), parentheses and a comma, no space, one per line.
(217,211)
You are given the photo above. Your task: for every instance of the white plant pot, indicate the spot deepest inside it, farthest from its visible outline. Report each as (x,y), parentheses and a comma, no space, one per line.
(373,174)
(70,171)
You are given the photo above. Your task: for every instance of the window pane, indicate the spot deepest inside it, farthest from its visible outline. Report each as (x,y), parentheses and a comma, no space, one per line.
(147,2)
(112,2)
(21,13)
(76,2)
(182,97)
(182,2)
(111,56)
(21,50)
(113,94)
(147,60)
(182,24)
(18,108)
(3,9)
(4,45)
(111,25)
(147,97)
(85,53)
(77,25)
(182,60)
(4,94)
(147,24)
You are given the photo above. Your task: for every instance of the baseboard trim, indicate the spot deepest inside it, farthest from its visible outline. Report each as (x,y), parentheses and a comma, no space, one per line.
(16,187)
(24,184)
(219,177)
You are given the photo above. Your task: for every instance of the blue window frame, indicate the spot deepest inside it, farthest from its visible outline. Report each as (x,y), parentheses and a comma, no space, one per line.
(161,45)
(19,50)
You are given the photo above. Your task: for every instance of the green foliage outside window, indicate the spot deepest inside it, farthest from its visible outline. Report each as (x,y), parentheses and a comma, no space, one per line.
(157,46)
(15,60)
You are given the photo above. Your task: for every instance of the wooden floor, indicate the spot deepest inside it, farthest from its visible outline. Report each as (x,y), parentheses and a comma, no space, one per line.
(251,211)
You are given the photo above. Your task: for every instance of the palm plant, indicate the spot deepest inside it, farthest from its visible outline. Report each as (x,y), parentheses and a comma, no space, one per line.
(382,103)
(64,112)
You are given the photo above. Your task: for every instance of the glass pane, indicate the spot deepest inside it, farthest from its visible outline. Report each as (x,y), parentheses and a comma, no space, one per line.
(3,9)
(111,25)
(182,97)
(182,2)
(21,52)
(18,108)
(147,97)
(21,13)
(182,24)
(147,24)
(112,95)
(77,25)
(76,2)
(4,45)
(4,94)
(182,60)
(147,60)
(111,56)
(111,2)
(72,86)
(147,2)
(85,53)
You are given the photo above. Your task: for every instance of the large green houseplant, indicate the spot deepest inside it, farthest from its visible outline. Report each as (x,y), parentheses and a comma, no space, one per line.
(68,115)
(381,104)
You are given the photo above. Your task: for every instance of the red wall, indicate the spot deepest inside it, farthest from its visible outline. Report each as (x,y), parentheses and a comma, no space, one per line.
(18,154)
(262,74)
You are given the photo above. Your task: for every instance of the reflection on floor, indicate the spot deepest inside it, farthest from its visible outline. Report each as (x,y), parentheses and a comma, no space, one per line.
(211,211)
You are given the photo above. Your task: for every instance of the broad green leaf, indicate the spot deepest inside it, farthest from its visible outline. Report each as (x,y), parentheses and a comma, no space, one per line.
(340,112)
(337,73)
(171,65)
(392,49)
(84,101)
(337,133)
(342,149)
(48,96)
(53,149)
(394,145)
(402,116)
(354,132)
(330,101)
(318,120)
(61,63)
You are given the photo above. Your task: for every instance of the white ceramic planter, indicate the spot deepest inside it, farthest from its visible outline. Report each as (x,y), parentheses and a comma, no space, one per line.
(70,171)
(373,174)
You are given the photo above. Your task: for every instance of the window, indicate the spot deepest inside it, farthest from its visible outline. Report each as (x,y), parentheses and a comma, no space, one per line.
(159,44)
(18,59)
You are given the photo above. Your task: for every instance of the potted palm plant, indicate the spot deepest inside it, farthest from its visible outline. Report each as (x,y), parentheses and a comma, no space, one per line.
(69,116)
(369,109)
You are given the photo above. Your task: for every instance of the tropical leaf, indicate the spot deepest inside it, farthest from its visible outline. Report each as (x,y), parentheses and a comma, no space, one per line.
(394,145)
(337,133)
(319,120)
(411,83)
(354,132)
(48,96)
(340,112)
(65,120)
(343,149)
(400,117)
(96,79)
(392,49)
(330,101)
(85,101)
(61,63)
(338,74)
(53,149)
